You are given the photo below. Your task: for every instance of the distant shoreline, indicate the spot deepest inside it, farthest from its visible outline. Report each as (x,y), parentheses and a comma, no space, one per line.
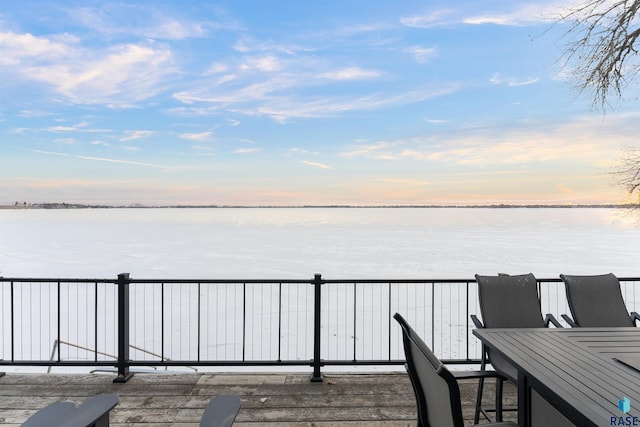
(477,206)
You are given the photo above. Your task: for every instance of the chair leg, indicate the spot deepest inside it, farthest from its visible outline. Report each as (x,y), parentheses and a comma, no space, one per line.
(499,384)
(476,417)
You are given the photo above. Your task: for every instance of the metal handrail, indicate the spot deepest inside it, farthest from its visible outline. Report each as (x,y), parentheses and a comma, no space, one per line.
(112,316)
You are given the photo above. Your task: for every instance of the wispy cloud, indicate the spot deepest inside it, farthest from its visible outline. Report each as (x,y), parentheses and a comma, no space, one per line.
(497,79)
(421,54)
(269,63)
(582,138)
(147,21)
(118,76)
(382,150)
(204,150)
(202,136)
(131,135)
(350,73)
(247,44)
(100,159)
(316,164)
(83,127)
(406,181)
(269,99)
(433,18)
(298,150)
(247,150)
(517,14)
(19,48)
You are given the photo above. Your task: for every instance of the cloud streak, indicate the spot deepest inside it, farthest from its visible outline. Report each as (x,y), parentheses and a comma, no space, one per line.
(202,136)
(132,135)
(520,14)
(316,164)
(578,141)
(101,159)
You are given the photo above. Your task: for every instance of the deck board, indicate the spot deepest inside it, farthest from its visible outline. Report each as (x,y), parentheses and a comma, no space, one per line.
(282,399)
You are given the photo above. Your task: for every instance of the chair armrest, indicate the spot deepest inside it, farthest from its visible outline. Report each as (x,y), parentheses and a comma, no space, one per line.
(570,321)
(550,318)
(477,321)
(466,375)
(50,415)
(634,316)
(92,412)
(221,411)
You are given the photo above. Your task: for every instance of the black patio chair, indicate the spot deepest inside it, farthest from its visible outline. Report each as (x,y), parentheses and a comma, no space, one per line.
(506,302)
(221,411)
(435,387)
(596,301)
(93,412)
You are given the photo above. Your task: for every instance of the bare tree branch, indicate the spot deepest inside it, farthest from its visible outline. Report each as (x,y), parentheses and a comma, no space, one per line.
(602,58)
(601,55)
(628,171)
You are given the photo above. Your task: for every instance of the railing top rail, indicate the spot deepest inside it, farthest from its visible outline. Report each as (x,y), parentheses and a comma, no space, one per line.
(55,280)
(222,281)
(258,281)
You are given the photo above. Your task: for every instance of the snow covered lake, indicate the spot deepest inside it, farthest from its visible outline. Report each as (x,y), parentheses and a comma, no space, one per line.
(287,243)
(298,242)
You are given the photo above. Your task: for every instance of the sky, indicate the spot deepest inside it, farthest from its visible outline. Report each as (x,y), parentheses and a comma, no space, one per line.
(299,103)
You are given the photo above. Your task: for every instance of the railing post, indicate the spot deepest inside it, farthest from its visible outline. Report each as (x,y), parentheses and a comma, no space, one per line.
(317,299)
(123,329)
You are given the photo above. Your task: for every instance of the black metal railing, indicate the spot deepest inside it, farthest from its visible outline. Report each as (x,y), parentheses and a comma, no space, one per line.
(126,323)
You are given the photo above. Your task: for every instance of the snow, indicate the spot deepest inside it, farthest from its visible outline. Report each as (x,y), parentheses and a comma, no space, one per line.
(340,243)
(296,243)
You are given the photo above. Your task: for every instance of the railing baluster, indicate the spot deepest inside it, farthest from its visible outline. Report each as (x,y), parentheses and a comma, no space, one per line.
(199,314)
(433,315)
(59,321)
(13,316)
(466,324)
(280,322)
(162,321)
(389,320)
(95,322)
(244,320)
(355,318)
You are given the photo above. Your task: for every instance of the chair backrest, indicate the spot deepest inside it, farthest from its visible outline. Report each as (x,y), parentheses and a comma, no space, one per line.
(436,390)
(509,301)
(596,301)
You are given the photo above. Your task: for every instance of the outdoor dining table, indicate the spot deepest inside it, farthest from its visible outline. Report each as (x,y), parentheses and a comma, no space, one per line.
(573,376)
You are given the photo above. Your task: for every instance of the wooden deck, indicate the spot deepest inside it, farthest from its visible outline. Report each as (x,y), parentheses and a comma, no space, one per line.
(285,400)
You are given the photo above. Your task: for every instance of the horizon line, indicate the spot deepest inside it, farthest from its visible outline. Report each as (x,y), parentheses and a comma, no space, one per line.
(63,205)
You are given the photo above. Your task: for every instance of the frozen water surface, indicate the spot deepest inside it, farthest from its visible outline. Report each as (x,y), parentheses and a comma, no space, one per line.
(282,243)
(298,242)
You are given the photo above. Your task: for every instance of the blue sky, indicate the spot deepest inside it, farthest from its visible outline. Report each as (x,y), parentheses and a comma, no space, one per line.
(290,103)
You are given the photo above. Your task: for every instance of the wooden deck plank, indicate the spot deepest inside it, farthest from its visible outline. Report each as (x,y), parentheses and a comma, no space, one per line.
(277,400)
